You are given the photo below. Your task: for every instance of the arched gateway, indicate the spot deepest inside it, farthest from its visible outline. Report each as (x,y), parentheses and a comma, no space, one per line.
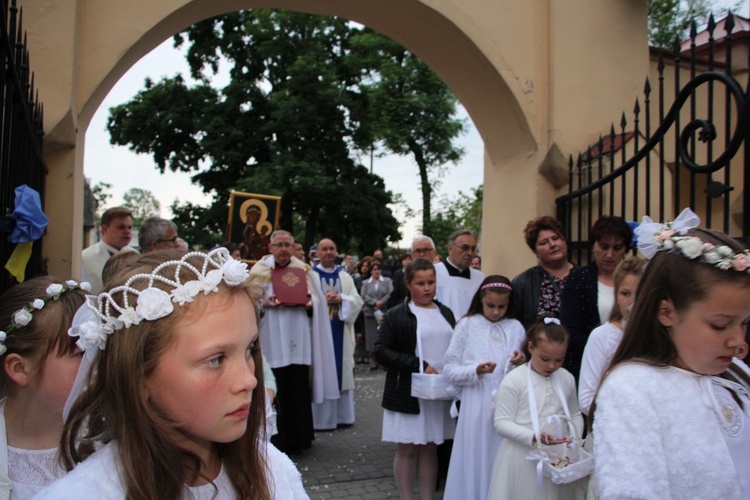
(539,78)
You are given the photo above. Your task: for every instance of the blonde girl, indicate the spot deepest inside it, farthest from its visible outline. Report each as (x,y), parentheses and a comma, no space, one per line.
(513,475)
(484,345)
(671,417)
(40,362)
(604,339)
(176,390)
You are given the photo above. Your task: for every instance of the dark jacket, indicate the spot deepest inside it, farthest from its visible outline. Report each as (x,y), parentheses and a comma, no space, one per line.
(400,292)
(526,292)
(395,350)
(579,313)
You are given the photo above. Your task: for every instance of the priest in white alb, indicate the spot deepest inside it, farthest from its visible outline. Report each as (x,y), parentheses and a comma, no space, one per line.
(457,282)
(298,346)
(344,304)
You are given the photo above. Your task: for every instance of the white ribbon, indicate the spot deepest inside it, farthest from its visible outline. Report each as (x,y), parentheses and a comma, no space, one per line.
(540,458)
(684,222)
(539,455)
(82,315)
(548,320)
(648,231)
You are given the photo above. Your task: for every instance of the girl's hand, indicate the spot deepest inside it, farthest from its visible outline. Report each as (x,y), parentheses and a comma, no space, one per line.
(518,358)
(430,370)
(486,367)
(549,439)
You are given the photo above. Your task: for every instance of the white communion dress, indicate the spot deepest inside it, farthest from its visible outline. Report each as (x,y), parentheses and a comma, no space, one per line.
(513,476)
(433,424)
(477,340)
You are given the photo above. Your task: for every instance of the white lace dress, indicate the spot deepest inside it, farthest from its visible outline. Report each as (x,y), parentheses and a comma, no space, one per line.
(670,433)
(477,340)
(513,476)
(25,472)
(32,470)
(433,424)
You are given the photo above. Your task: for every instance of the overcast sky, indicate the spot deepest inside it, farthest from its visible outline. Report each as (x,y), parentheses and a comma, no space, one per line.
(124,170)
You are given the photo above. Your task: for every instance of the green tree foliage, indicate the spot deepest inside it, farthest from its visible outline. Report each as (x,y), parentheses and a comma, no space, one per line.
(669,21)
(409,109)
(296,114)
(201,227)
(142,203)
(101,193)
(462,212)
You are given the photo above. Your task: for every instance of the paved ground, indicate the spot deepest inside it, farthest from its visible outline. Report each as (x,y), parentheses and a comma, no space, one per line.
(353,463)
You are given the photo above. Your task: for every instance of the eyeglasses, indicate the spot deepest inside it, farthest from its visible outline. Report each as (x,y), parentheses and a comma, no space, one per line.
(173,241)
(422,251)
(466,248)
(282,245)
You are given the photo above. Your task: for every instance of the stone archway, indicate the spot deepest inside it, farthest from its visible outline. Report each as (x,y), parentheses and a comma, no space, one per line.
(515,67)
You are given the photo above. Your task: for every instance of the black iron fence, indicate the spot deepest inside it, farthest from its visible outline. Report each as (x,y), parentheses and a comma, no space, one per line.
(682,147)
(21,132)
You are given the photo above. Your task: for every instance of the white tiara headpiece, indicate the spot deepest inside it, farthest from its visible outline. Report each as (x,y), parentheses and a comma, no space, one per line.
(672,236)
(153,303)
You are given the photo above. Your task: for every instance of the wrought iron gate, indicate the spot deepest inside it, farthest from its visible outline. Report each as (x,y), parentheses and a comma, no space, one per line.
(21,133)
(665,160)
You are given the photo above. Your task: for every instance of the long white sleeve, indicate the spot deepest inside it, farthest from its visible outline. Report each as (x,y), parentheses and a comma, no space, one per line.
(508,404)
(600,348)
(457,368)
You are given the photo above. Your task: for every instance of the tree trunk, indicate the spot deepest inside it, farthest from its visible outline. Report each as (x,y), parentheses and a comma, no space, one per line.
(310,224)
(424,181)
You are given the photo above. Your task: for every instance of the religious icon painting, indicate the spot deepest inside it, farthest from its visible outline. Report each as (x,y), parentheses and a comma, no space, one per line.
(252,219)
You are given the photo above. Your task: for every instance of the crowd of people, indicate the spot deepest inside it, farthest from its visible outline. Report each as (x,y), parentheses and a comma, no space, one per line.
(181,374)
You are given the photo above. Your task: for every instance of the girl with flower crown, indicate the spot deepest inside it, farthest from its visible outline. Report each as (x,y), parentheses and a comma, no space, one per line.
(483,346)
(176,388)
(672,415)
(40,362)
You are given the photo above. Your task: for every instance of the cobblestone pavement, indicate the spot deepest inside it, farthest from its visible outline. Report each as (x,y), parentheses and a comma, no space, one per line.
(353,463)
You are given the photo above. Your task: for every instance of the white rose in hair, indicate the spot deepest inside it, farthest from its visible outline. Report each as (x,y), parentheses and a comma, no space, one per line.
(724,250)
(91,334)
(692,248)
(129,317)
(235,272)
(185,293)
(54,289)
(712,256)
(154,304)
(210,282)
(21,317)
(85,285)
(71,283)
(37,304)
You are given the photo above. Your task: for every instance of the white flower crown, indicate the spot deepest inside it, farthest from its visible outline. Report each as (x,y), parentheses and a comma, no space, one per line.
(153,303)
(672,236)
(23,316)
